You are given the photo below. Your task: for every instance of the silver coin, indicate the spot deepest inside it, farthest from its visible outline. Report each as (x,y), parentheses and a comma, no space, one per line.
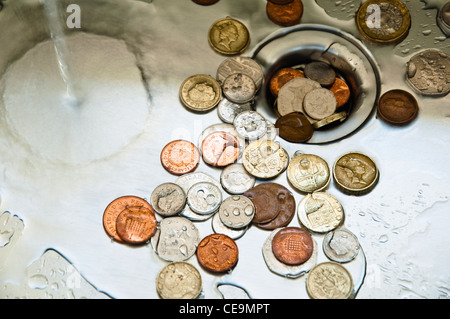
(236,211)
(319,103)
(179,280)
(239,88)
(220,228)
(320,72)
(187,180)
(168,199)
(428,72)
(176,239)
(291,95)
(221,127)
(250,125)
(193,216)
(204,198)
(242,65)
(341,245)
(227,110)
(236,180)
(443,19)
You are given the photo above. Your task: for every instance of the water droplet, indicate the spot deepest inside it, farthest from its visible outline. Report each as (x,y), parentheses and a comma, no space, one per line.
(383,239)
(38,282)
(184,250)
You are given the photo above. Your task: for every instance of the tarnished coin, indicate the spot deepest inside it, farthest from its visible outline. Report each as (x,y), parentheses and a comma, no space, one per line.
(397,107)
(204,198)
(236,180)
(319,103)
(320,72)
(217,253)
(243,65)
(205,2)
(236,211)
(200,93)
(320,212)
(355,173)
(308,173)
(250,125)
(383,21)
(341,92)
(283,76)
(291,95)
(428,73)
(292,245)
(332,119)
(329,280)
(179,280)
(265,159)
(265,201)
(180,157)
(136,225)
(239,88)
(294,127)
(220,149)
(220,228)
(115,208)
(443,19)
(168,199)
(176,239)
(228,36)
(227,110)
(286,14)
(341,246)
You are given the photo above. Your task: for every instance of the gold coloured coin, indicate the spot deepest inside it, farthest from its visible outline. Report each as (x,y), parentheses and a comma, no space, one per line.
(228,36)
(265,159)
(308,173)
(337,117)
(383,21)
(200,93)
(329,280)
(179,280)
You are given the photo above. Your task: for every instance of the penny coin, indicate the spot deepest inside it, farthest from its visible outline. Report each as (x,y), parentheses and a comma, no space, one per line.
(291,95)
(136,225)
(383,21)
(285,15)
(227,110)
(200,93)
(292,245)
(179,280)
(228,36)
(217,253)
(355,173)
(115,208)
(308,173)
(397,107)
(250,125)
(320,72)
(236,180)
(319,103)
(294,127)
(265,200)
(236,211)
(205,2)
(332,119)
(329,280)
(239,88)
(341,245)
(320,212)
(265,159)
(180,157)
(341,92)
(220,149)
(220,228)
(204,198)
(243,65)
(168,199)
(281,77)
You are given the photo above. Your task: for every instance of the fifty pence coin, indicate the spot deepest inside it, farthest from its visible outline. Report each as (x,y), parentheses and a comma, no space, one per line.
(320,72)
(250,125)
(341,245)
(204,198)
(236,211)
(239,88)
(308,173)
(329,280)
(265,159)
(319,103)
(200,93)
(236,180)
(220,228)
(179,280)
(228,36)
(227,110)
(291,95)
(243,65)
(168,199)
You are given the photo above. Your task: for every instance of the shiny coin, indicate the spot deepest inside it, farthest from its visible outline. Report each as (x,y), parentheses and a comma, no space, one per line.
(180,157)
(204,198)
(221,127)
(341,92)
(320,212)
(236,180)
(220,228)
(179,280)
(239,88)
(332,119)
(319,103)
(200,93)
(329,280)
(294,127)
(236,211)
(217,253)
(265,159)
(308,173)
(428,72)
(292,245)
(242,65)
(250,125)
(397,107)
(341,246)
(291,95)
(443,19)
(168,199)
(283,76)
(355,173)
(383,21)
(228,36)
(286,14)
(136,225)
(320,72)
(220,149)
(227,110)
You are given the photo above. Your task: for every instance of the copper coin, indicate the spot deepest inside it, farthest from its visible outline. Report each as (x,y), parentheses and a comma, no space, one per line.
(217,253)
(397,107)
(281,77)
(285,14)
(294,127)
(220,149)
(281,1)
(205,2)
(115,208)
(180,157)
(136,225)
(292,245)
(341,91)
